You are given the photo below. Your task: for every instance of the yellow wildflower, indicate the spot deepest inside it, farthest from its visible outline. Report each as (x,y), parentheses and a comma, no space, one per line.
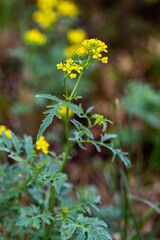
(76,36)
(72,75)
(42,145)
(94,47)
(72,50)
(62,112)
(60,66)
(69,66)
(34,36)
(104,60)
(47,4)
(82,51)
(2,128)
(67,8)
(69,51)
(5,130)
(8,133)
(45,18)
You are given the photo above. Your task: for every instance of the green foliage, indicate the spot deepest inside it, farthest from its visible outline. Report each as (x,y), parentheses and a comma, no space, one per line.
(143,101)
(38,196)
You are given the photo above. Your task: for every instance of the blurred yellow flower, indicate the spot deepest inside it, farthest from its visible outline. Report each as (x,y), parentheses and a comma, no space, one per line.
(67,8)
(34,36)
(76,36)
(6,131)
(42,145)
(2,128)
(104,60)
(47,4)
(70,51)
(72,75)
(45,18)
(62,112)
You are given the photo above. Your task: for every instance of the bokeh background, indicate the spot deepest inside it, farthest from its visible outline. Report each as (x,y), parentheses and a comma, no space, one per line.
(126,91)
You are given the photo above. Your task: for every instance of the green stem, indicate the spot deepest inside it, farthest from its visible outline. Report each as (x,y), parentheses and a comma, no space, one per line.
(52,197)
(51,208)
(67,139)
(80,76)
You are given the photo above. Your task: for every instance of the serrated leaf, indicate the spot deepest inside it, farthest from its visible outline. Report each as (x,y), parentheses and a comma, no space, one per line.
(48,120)
(67,230)
(36,223)
(24,222)
(49,96)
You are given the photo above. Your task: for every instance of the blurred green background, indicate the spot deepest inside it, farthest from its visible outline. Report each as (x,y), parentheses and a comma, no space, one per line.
(126,90)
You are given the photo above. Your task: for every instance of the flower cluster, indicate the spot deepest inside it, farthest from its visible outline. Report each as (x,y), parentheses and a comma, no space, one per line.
(48,12)
(99,119)
(67,8)
(70,67)
(45,18)
(94,47)
(75,37)
(62,112)
(5,130)
(46,4)
(34,36)
(42,145)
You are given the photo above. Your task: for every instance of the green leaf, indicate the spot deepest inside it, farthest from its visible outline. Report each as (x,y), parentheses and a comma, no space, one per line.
(95,229)
(73,107)
(48,120)
(36,222)
(25,222)
(67,230)
(7,140)
(107,137)
(16,142)
(49,96)
(28,145)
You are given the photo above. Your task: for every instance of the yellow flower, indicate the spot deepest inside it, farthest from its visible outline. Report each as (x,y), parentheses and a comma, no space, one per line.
(60,66)
(72,50)
(104,60)
(2,128)
(42,145)
(67,8)
(8,133)
(72,75)
(46,4)
(45,18)
(69,66)
(76,36)
(82,51)
(94,47)
(34,36)
(62,112)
